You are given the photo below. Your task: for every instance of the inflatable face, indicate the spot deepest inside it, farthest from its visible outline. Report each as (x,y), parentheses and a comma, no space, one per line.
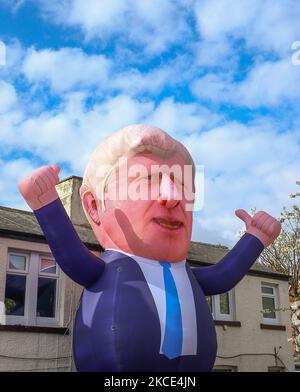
(153,211)
(148,200)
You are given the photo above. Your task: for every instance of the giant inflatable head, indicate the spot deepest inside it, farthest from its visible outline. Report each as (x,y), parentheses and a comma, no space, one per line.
(138,191)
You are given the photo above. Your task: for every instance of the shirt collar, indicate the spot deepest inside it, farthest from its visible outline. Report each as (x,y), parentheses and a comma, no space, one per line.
(152,262)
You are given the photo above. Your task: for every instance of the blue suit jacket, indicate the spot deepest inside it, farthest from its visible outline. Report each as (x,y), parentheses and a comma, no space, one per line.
(117,325)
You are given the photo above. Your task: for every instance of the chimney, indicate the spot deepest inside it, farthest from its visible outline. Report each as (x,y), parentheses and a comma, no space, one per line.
(68,191)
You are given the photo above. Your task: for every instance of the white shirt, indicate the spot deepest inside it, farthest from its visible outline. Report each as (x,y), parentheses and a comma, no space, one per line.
(153,273)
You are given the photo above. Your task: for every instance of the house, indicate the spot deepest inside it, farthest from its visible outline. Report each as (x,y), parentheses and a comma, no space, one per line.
(38,302)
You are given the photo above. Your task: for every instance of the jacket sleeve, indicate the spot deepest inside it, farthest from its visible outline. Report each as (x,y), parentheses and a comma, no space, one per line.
(70,253)
(224,275)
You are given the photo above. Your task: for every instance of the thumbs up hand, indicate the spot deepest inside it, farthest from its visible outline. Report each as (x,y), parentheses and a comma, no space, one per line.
(262,225)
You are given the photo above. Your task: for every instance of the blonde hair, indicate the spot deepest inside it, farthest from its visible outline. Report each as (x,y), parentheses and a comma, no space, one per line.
(128,142)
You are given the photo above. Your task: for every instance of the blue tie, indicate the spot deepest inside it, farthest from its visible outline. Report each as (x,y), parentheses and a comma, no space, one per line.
(172,344)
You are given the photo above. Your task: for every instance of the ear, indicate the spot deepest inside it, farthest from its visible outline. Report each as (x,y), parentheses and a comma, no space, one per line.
(89,204)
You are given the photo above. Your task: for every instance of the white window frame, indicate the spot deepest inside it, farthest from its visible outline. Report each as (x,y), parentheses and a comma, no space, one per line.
(32,273)
(216,309)
(15,271)
(275,320)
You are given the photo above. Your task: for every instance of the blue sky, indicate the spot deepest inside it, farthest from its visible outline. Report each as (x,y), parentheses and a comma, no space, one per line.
(217,75)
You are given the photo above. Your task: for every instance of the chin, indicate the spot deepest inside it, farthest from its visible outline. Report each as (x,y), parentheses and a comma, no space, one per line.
(171,252)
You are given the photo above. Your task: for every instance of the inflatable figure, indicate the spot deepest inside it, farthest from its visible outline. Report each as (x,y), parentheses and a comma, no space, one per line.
(142,308)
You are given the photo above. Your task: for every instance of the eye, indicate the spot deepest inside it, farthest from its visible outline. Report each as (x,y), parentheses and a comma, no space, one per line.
(147,179)
(152,177)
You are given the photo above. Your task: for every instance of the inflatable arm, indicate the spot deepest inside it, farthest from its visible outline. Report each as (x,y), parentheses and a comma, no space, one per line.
(261,230)
(224,275)
(70,253)
(73,257)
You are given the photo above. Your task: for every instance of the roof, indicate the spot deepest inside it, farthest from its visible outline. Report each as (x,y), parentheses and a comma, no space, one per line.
(201,253)
(23,225)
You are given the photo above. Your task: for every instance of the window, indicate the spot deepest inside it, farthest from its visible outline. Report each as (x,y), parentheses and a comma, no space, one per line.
(31,290)
(15,288)
(269,304)
(221,306)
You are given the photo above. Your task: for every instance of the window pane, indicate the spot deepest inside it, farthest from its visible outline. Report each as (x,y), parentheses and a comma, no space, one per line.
(17,262)
(268,304)
(15,295)
(48,266)
(46,297)
(209,301)
(267,290)
(224,303)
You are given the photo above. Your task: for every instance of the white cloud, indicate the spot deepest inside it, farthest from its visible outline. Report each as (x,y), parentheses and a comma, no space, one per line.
(267,84)
(172,73)
(11,172)
(11,113)
(92,15)
(269,25)
(69,134)
(180,118)
(58,134)
(15,54)
(65,136)
(70,69)
(134,82)
(14,5)
(245,167)
(270,84)
(214,87)
(151,24)
(215,53)
(66,68)
(8,97)
(218,17)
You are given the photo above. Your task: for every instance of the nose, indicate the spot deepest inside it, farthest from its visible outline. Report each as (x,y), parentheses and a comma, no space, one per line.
(168,192)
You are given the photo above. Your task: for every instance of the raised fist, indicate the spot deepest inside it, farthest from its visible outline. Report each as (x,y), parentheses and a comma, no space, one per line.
(38,188)
(262,225)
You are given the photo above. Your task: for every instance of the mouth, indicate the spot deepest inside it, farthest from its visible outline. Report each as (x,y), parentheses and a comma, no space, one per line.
(168,223)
